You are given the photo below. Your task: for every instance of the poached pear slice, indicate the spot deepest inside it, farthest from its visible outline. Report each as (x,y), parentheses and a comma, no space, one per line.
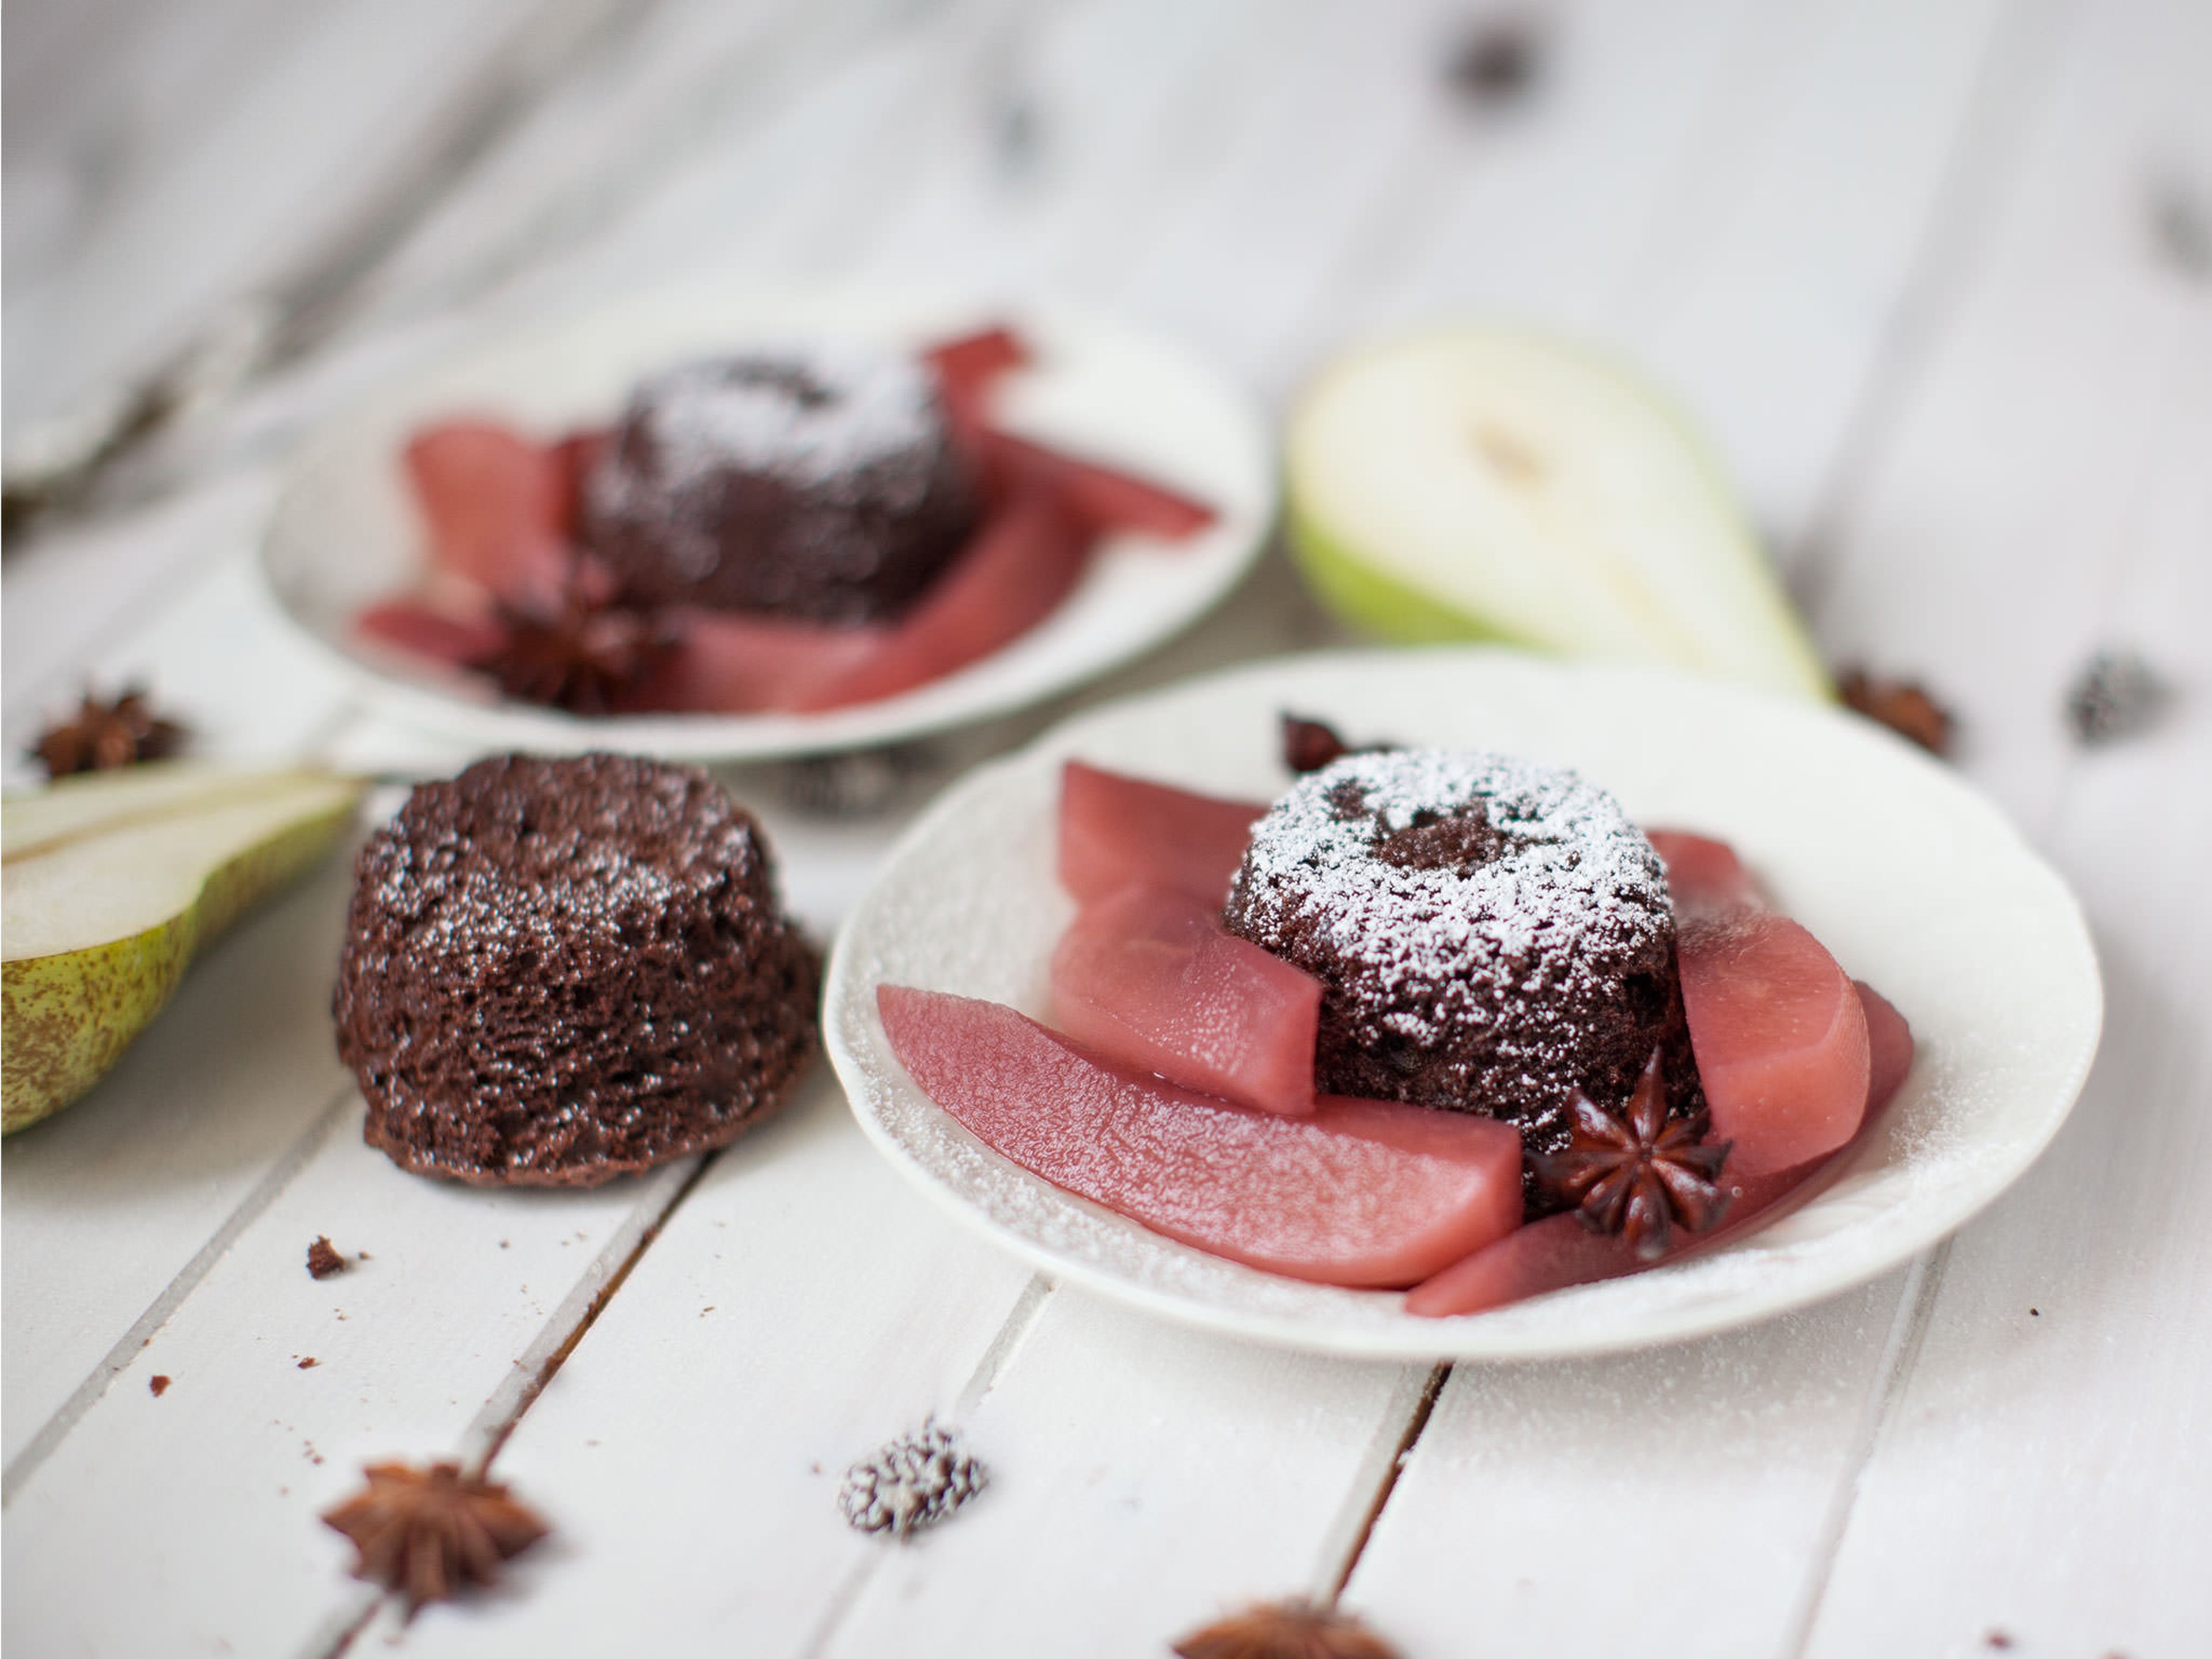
(1474,482)
(110,885)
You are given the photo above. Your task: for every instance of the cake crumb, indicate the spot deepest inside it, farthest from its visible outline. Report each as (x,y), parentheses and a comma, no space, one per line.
(158,1384)
(322,1259)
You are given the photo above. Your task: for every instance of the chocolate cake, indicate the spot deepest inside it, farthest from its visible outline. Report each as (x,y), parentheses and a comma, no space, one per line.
(1490,934)
(822,484)
(558,971)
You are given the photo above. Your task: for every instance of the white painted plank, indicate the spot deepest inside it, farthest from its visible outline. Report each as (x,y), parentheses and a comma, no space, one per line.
(210,201)
(194,1511)
(107,1202)
(1984,546)
(73,593)
(1768,293)
(582,181)
(802,1306)
(1151,1480)
(1578,1507)
(2053,1432)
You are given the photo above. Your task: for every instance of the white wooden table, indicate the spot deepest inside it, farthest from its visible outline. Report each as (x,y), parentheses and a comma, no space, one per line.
(1936,276)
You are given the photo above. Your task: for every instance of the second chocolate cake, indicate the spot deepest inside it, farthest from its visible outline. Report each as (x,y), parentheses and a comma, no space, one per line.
(558,971)
(1490,935)
(822,484)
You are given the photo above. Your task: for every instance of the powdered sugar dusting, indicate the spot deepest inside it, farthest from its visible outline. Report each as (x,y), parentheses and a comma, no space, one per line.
(1574,872)
(1482,925)
(807,415)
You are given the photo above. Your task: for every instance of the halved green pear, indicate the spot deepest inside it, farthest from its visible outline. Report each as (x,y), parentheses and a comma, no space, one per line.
(108,885)
(1474,482)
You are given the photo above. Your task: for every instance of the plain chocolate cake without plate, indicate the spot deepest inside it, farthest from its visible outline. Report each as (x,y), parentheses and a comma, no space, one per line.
(559,971)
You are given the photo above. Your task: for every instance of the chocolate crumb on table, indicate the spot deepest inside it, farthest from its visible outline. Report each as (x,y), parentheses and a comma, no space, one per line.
(322,1259)
(157,1385)
(309,1363)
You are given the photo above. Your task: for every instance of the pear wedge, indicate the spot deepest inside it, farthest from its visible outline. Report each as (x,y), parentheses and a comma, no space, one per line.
(108,885)
(1472,482)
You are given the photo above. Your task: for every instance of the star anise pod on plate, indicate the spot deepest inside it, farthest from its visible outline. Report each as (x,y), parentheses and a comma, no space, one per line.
(1635,1172)
(581,658)
(1285,1630)
(1903,706)
(1310,745)
(101,735)
(426,1532)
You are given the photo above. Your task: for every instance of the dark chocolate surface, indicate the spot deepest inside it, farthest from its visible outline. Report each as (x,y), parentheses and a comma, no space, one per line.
(820,485)
(558,971)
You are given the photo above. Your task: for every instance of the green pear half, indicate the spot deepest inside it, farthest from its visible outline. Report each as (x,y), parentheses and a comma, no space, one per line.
(108,885)
(1473,483)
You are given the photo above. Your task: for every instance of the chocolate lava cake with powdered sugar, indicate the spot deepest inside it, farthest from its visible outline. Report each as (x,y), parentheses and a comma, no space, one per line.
(822,483)
(558,971)
(1490,935)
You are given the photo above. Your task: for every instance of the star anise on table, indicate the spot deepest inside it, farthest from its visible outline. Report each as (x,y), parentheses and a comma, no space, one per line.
(1635,1172)
(1285,1630)
(426,1532)
(1903,706)
(581,658)
(101,735)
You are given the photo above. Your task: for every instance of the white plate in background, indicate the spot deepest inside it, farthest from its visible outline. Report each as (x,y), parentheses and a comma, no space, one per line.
(1914,881)
(345,532)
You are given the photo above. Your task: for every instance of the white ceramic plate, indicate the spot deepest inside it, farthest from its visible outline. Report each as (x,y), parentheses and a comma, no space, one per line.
(345,532)
(1915,882)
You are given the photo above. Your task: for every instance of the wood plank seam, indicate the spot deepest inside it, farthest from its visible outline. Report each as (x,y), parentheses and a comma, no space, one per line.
(264,1193)
(1348,1537)
(1915,1309)
(586,1299)
(538,1364)
(2015,75)
(1021,1319)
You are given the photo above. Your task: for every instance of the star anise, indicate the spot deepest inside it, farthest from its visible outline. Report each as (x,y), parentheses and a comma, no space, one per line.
(1496,63)
(1902,706)
(1285,1630)
(581,658)
(101,735)
(1636,1173)
(1310,745)
(426,1531)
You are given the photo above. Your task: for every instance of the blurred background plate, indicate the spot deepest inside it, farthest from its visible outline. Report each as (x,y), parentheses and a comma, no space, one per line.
(345,532)
(1908,875)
